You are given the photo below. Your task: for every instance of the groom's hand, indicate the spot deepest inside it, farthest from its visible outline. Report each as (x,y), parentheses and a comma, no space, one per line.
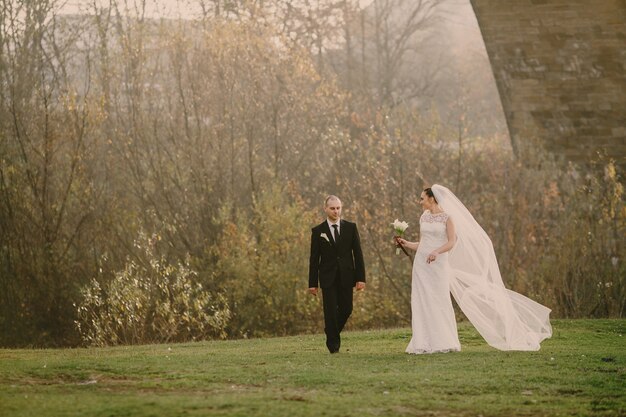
(313,291)
(360,286)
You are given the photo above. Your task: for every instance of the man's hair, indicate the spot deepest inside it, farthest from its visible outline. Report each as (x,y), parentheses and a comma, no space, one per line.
(331,197)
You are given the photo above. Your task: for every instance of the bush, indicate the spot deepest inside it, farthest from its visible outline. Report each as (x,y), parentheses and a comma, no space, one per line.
(262,264)
(150,302)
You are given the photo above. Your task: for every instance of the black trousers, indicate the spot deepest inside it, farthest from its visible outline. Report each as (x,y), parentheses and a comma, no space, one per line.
(337,301)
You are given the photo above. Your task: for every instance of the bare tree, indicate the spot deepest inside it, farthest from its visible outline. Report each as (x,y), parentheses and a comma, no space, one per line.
(45,191)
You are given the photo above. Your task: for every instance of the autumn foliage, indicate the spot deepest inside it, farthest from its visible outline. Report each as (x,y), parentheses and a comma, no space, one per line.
(159,179)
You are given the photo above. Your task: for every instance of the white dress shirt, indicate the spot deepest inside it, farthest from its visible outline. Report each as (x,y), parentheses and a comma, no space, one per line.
(332,229)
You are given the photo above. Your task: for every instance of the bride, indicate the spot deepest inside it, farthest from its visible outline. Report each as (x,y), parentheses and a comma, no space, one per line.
(456,256)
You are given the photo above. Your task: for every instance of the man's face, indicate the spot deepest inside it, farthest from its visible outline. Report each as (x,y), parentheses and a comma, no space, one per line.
(333,209)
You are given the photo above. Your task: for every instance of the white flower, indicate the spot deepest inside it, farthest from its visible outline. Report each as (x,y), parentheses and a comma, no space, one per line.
(399,226)
(325,237)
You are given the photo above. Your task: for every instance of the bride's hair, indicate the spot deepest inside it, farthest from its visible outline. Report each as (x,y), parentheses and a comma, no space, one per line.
(429,193)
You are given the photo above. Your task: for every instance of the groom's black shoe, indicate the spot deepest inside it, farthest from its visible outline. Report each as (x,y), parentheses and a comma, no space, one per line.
(333,349)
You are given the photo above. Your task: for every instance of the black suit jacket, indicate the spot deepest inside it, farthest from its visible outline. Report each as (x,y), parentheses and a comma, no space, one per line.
(328,257)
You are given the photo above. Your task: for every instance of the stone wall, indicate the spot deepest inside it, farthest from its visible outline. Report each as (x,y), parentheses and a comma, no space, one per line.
(560,67)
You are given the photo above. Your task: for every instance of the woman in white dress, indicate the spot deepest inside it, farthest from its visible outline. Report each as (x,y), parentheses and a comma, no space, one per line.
(432,315)
(456,255)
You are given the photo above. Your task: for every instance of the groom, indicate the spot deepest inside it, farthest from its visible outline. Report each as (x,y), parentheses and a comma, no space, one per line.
(336,264)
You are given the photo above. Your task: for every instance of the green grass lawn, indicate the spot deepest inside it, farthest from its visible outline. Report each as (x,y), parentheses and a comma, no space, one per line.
(581,371)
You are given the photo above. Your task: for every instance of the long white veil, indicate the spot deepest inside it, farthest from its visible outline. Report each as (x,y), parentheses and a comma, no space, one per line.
(507,320)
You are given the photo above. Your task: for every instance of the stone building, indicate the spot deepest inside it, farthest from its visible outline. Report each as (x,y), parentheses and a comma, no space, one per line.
(560,68)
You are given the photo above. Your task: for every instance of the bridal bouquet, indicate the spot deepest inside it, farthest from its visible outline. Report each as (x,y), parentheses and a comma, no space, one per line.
(399,227)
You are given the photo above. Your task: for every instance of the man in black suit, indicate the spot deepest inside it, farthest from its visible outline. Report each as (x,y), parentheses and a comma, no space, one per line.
(336,264)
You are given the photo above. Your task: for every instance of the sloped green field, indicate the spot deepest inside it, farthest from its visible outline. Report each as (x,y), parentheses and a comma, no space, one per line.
(581,371)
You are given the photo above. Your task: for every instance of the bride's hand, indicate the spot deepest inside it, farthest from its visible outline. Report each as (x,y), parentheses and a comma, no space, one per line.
(431,257)
(401,241)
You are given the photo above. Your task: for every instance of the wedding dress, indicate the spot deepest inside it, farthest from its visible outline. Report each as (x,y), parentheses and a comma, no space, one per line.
(505,319)
(432,316)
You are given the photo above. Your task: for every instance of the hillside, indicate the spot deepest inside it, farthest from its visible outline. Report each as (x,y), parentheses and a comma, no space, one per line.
(580,371)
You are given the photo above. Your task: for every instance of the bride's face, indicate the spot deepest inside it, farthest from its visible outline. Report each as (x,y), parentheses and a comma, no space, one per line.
(426,201)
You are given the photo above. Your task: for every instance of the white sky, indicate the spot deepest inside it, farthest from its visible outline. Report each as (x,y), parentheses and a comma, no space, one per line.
(459,16)
(154,8)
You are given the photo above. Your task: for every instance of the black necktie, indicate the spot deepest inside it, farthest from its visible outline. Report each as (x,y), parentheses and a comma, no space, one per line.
(336,233)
